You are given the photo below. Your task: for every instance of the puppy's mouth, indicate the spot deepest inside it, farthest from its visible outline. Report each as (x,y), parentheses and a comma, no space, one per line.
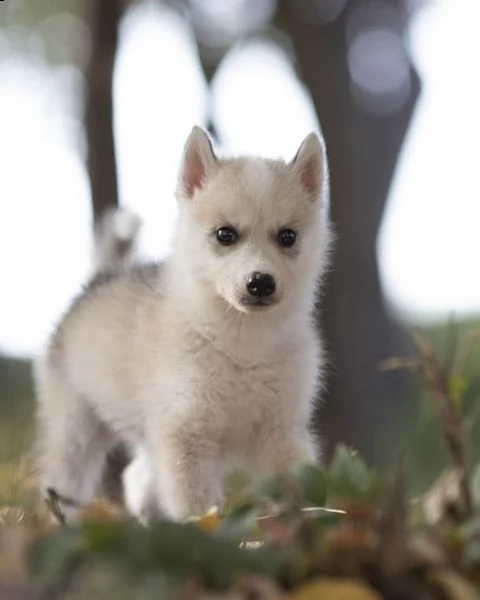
(250,303)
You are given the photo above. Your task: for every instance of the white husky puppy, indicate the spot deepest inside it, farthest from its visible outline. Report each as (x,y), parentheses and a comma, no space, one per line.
(206,360)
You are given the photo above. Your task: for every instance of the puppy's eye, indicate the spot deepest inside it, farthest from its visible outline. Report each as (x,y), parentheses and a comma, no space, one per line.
(286,238)
(227,236)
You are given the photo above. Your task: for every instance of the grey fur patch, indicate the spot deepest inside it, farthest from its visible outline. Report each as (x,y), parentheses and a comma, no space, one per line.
(146,275)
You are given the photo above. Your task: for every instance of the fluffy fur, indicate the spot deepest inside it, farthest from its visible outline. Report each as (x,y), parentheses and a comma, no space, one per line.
(115,236)
(177,362)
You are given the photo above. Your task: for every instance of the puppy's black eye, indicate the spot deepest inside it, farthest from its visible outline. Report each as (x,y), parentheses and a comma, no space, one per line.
(286,238)
(227,236)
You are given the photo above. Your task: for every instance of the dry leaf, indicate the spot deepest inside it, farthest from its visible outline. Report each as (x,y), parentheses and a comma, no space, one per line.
(103,510)
(335,589)
(445,494)
(11,515)
(14,542)
(455,586)
(427,550)
(209,521)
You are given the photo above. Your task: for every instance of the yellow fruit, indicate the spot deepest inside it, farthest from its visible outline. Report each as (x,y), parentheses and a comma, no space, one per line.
(327,588)
(208,522)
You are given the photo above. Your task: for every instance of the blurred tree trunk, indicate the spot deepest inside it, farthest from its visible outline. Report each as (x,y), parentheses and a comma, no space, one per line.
(103,19)
(361,404)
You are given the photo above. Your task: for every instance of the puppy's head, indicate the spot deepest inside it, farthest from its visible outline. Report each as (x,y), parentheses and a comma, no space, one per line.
(253,232)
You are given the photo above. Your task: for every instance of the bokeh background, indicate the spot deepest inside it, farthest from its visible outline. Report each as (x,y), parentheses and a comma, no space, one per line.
(98,96)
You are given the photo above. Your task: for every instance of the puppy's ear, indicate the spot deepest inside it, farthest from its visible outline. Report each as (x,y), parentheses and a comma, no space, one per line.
(310,164)
(198,163)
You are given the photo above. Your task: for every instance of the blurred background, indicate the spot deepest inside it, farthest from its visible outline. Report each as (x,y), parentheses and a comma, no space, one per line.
(98,96)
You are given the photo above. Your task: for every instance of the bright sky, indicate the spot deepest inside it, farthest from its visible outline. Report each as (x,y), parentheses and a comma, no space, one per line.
(428,248)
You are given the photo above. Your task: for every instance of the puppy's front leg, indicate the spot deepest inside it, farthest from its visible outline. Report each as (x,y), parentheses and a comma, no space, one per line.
(187,474)
(277,447)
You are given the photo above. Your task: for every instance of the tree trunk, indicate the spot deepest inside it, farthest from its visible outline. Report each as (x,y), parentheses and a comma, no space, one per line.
(362,404)
(103,18)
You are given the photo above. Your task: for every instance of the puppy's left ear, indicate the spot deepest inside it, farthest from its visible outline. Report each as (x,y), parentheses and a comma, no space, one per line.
(310,164)
(198,163)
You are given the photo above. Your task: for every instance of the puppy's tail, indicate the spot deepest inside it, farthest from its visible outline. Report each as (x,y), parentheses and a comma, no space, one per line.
(115,238)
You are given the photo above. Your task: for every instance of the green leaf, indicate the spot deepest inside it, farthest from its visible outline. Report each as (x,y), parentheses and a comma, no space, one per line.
(456,388)
(268,488)
(310,484)
(106,537)
(52,558)
(182,550)
(175,547)
(165,552)
(227,562)
(350,478)
(239,522)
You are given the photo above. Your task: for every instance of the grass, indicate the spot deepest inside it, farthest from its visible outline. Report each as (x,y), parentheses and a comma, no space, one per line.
(16,432)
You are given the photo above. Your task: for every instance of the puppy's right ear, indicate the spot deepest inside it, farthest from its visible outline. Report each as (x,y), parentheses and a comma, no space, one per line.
(310,164)
(198,163)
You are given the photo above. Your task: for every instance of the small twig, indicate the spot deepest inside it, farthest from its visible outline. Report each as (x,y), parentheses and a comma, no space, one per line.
(333,511)
(53,501)
(452,342)
(409,363)
(436,383)
(430,369)
(392,526)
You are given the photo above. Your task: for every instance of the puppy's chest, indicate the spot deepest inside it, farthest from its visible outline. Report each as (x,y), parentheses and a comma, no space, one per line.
(244,392)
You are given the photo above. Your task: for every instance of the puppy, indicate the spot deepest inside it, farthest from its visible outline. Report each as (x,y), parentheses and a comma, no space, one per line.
(208,360)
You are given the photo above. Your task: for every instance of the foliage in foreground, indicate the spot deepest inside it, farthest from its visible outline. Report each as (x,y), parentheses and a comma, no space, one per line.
(277,540)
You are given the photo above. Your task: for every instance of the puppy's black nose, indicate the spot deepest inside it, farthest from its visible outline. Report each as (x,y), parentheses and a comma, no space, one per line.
(260,285)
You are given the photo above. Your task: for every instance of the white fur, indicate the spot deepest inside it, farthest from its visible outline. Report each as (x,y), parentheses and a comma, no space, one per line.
(115,236)
(139,487)
(175,363)
(126,225)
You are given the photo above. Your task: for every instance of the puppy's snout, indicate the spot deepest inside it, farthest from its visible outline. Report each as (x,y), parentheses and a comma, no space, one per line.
(260,285)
